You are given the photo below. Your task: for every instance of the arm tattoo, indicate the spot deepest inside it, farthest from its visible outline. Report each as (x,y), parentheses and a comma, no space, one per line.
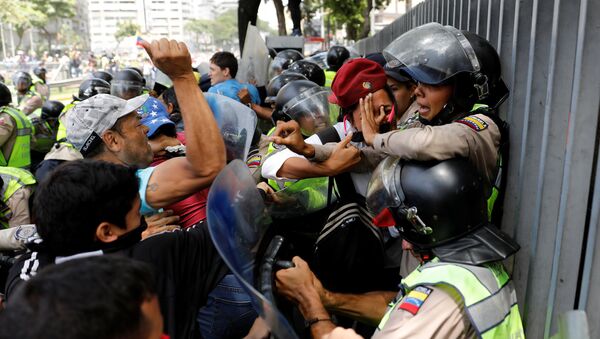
(152,187)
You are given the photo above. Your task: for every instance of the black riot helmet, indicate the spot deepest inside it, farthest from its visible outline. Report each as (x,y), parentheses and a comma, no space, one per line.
(283,60)
(40,72)
(5,95)
(127,84)
(310,70)
(468,62)
(138,71)
(278,82)
(336,56)
(52,109)
(22,80)
(489,62)
(91,87)
(439,206)
(103,75)
(305,102)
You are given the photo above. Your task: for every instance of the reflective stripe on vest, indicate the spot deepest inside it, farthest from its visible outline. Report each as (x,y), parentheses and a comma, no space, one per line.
(487,291)
(13,179)
(20,154)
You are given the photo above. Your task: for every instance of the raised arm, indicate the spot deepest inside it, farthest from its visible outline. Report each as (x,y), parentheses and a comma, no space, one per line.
(178,178)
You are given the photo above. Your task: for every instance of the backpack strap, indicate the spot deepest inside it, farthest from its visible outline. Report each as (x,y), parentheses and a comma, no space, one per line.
(503,158)
(343,181)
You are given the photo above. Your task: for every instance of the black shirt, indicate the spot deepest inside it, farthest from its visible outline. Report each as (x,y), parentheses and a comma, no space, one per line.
(187,267)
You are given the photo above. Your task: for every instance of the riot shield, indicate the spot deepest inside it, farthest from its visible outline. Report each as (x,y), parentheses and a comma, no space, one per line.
(236,122)
(237,221)
(254,64)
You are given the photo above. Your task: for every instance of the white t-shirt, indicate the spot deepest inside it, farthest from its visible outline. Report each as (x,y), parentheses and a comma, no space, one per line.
(273,162)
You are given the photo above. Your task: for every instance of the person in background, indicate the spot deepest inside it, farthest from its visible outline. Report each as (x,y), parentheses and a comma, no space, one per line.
(223,69)
(27,99)
(15,133)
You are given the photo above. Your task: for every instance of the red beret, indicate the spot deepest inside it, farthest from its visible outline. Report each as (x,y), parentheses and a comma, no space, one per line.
(354,80)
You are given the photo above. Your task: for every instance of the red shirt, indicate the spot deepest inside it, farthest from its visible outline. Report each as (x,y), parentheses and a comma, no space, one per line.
(192,209)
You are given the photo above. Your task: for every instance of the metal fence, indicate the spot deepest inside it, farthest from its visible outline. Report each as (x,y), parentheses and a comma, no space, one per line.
(550,51)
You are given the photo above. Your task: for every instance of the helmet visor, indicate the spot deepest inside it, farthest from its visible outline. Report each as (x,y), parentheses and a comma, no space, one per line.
(384,190)
(277,66)
(310,109)
(126,89)
(432,53)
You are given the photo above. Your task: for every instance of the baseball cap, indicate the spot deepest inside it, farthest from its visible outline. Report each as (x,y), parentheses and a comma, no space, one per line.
(154,115)
(354,80)
(397,73)
(90,118)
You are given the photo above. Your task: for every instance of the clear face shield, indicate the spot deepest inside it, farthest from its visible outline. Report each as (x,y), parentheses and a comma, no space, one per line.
(432,53)
(277,66)
(126,89)
(22,84)
(385,194)
(310,109)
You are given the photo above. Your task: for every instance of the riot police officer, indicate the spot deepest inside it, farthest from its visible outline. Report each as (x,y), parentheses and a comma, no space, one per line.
(15,133)
(460,290)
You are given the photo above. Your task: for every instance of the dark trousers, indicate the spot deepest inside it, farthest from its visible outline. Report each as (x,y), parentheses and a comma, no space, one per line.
(247,12)
(295,13)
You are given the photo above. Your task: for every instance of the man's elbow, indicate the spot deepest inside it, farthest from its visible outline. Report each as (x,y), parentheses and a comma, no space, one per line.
(212,169)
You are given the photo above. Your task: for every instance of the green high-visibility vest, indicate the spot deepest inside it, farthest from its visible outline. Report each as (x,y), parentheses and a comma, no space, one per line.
(20,155)
(487,291)
(491,201)
(310,191)
(13,179)
(42,135)
(61,133)
(329,75)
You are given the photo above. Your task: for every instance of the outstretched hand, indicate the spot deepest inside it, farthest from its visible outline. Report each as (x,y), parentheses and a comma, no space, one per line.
(343,157)
(170,56)
(288,134)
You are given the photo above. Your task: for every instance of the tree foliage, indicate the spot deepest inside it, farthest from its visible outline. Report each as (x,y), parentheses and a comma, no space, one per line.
(354,14)
(126,29)
(40,14)
(222,30)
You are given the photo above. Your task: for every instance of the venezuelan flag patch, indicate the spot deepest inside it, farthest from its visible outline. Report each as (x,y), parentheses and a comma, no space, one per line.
(474,123)
(413,301)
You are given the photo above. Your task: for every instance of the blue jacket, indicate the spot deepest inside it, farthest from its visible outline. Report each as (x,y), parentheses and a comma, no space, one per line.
(231,87)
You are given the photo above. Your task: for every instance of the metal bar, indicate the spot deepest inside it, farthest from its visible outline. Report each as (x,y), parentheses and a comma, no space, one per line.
(468,15)
(489,21)
(545,139)
(535,228)
(562,211)
(500,26)
(460,16)
(478,16)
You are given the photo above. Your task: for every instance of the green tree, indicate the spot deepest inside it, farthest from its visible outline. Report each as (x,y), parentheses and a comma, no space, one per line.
(125,29)
(53,10)
(354,14)
(20,14)
(198,27)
